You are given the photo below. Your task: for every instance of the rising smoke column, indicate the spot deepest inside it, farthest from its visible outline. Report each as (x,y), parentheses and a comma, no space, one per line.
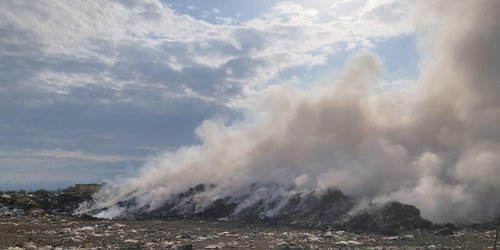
(453,133)
(435,145)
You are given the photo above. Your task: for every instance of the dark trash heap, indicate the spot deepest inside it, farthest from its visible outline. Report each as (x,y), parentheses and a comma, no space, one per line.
(17,203)
(330,209)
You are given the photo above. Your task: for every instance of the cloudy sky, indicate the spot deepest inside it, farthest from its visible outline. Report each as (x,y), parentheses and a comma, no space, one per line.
(91,89)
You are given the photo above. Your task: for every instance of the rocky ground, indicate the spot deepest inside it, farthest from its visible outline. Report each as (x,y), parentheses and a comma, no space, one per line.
(44,231)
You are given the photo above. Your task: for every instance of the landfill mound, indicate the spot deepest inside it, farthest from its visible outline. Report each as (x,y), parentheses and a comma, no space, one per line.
(327,208)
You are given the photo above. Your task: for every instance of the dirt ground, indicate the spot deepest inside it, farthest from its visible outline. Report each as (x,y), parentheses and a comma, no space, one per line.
(65,232)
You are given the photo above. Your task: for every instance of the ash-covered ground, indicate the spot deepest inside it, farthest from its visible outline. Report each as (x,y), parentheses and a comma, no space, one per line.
(45,220)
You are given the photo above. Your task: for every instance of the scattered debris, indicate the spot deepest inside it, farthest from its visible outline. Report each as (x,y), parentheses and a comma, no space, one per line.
(408,237)
(444,231)
(130,241)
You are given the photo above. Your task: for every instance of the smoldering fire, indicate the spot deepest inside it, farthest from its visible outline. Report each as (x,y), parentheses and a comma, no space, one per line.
(434,144)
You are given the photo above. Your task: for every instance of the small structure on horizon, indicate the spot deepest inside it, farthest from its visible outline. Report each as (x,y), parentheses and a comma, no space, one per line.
(85,188)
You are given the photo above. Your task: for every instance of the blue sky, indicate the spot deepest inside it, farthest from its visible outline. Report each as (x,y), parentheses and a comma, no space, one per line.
(89,90)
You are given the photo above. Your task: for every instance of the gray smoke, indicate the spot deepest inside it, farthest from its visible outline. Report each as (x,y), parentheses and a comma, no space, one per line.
(435,144)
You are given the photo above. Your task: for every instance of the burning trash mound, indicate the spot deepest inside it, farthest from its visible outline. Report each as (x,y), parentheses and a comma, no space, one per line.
(327,208)
(388,218)
(196,219)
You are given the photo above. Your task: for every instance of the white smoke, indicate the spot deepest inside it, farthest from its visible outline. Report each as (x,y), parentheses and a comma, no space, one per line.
(435,144)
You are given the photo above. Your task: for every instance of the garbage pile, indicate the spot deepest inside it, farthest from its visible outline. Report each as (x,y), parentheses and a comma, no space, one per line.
(330,208)
(46,220)
(41,201)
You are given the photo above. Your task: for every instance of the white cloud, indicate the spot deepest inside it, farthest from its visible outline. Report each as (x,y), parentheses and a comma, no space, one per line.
(288,35)
(101,60)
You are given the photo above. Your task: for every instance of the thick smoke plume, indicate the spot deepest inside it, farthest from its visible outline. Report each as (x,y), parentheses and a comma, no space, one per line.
(435,144)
